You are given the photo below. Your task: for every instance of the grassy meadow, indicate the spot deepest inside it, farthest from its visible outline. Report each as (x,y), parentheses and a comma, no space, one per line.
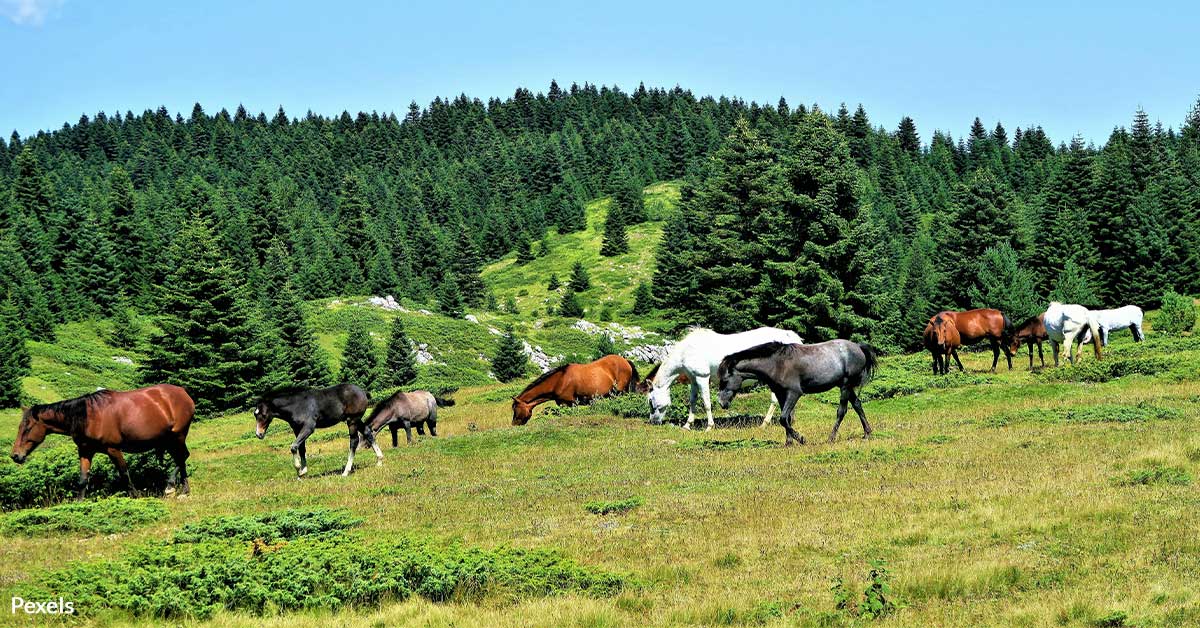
(1015,499)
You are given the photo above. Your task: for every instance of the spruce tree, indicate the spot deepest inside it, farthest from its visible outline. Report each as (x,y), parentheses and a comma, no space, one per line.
(553,284)
(510,361)
(1004,284)
(615,241)
(302,361)
(360,364)
(906,135)
(465,268)
(449,299)
(981,220)
(643,299)
(1073,285)
(14,356)
(125,330)
(604,346)
(400,364)
(211,341)
(524,250)
(569,306)
(628,202)
(579,278)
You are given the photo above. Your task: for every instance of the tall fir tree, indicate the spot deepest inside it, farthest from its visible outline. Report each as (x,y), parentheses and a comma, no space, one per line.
(360,363)
(301,360)
(400,363)
(580,280)
(465,268)
(510,361)
(14,355)
(615,242)
(569,306)
(449,298)
(1004,284)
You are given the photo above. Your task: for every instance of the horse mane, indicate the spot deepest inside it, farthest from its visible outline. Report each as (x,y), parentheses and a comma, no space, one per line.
(653,372)
(543,377)
(286,391)
(759,351)
(75,411)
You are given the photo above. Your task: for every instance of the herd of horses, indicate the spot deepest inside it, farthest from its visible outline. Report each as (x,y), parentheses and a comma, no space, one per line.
(157,418)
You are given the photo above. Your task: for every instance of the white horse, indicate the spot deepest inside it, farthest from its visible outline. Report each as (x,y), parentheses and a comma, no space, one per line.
(1064,323)
(697,356)
(1129,316)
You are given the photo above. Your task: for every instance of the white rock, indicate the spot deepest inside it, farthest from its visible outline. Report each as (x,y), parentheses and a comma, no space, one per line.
(120,359)
(387,303)
(472,318)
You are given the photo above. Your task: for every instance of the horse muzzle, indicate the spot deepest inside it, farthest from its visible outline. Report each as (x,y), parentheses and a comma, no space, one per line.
(18,458)
(260,433)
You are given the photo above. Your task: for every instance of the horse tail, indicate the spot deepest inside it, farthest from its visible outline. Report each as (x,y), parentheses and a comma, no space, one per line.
(634,379)
(1008,326)
(1095,329)
(872,356)
(442,402)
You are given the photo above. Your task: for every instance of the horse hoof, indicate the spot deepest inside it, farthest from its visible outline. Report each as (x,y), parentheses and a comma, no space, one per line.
(300,472)
(169,491)
(685,426)
(708,429)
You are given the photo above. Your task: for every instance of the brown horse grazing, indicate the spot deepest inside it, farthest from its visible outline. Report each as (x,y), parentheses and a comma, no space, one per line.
(576,383)
(942,340)
(645,385)
(1032,331)
(408,410)
(978,325)
(112,422)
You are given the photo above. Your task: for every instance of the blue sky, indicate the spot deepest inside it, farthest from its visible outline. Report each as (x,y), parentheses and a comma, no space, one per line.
(1071,67)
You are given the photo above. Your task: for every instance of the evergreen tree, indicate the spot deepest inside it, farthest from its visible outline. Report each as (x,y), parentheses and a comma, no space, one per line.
(126,332)
(211,340)
(615,241)
(1073,285)
(569,306)
(524,250)
(14,356)
(301,360)
(906,135)
(553,284)
(604,346)
(579,278)
(982,219)
(510,361)
(627,202)
(400,365)
(449,299)
(643,299)
(465,269)
(360,364)
(1004,284)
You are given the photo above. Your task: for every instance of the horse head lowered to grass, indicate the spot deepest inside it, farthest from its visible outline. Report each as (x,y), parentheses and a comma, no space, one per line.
(576,383)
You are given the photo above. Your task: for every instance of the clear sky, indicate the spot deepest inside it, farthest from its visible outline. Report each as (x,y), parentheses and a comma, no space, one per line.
(1080,67)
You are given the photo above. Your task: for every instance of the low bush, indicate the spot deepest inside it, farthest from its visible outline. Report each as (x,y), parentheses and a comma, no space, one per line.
(328,572)
(1155,473)
(1098,372)
(51,474)
(285,525)
(613,508)
(105,516)
(1177,315)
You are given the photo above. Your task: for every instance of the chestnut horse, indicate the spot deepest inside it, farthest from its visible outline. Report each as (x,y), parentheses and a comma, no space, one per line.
(112,422)
(984,324)
(576,383)
(942,340)
(1031,332)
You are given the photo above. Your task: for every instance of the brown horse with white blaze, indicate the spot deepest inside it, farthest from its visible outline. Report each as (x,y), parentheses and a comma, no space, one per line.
(112,422)
(976,326)
(576,383)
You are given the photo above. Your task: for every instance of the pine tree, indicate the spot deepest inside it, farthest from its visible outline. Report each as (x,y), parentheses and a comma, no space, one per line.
(906,135)
(465,268)
(1073,285)
(301,361)
(1004,284)
(579,278)
(400,365)
(360,363)
(615,241)
(524,250)
(14,356)
(628,202)
(510,361)
(125,331)
(553,285)
(981,220)
(604,346)
(449,299)
(211,341)
(643,299)
(569,306)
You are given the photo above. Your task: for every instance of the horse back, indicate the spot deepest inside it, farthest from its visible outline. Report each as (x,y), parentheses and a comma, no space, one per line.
(144,415)
(976,325)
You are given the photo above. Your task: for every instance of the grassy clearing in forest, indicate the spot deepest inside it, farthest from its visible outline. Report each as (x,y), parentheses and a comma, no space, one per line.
(1014,499)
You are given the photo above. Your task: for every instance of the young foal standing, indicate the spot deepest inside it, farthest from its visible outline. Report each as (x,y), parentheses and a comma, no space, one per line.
(698,355)
(791,370)
(307,410)
(942,340)
(112,422)
(1032,331)
(408,410)
(576,383)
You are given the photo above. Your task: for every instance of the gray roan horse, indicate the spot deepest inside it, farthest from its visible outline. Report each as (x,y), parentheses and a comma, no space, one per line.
(791,370)
(408,410)
(307,410)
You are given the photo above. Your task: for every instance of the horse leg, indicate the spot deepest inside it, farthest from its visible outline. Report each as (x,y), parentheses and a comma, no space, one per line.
(770,411)
(395,435)
(353,446)
(707,402)
(1040,356)
(1069,343)
(368,434)
(123,469)
(1054,350)
(862,416)
(432,422)
(85,468)
(1008,355)
(179,455)
(1138,336)
(692,392)
(996,354)
(954,352)
(841,412)
(299,460)
(408,431)
(1031,354)
(785,419)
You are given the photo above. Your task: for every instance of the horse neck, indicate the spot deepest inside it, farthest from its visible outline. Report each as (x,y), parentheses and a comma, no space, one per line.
(541,391)
(55,421)
(669,369)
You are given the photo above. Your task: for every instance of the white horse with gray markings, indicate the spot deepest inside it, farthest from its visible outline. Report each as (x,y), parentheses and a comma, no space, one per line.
(1128,317)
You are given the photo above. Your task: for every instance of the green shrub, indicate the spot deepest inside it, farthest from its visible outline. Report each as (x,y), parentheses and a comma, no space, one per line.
(270,527)
(1155,473)
(1097,372)
(613,508)
(105,516)
(728,445)
(329,572)
(51,474)
(1177,315)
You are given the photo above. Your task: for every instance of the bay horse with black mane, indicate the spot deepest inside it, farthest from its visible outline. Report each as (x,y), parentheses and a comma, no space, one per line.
(1031,332)
(976,326)
(576,383)
(307,410)
(792,370)
(111,422)
(942,340)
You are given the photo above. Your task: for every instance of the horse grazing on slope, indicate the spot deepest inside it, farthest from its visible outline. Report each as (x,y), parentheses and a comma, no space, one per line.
(576,383)
(1115,320)
(1031,332)
(408,410)
(307,410)
(1064,323)
(791,370)
(697,356)
(942,340)
(112,422)
(983,324)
